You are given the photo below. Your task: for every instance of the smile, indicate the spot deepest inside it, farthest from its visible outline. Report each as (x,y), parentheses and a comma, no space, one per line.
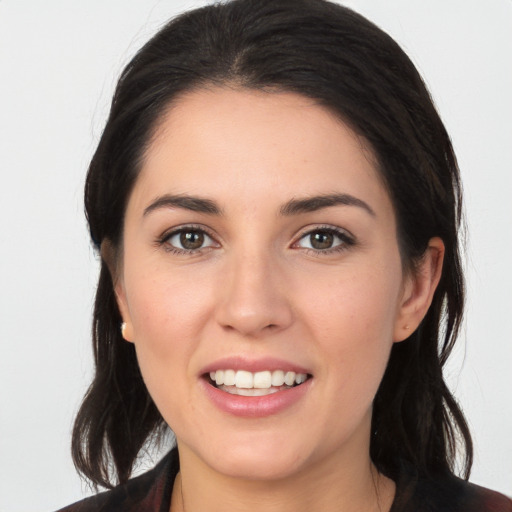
(245,383)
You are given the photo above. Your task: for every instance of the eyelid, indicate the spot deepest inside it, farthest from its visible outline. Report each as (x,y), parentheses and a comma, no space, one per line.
(164,238)
(347,239)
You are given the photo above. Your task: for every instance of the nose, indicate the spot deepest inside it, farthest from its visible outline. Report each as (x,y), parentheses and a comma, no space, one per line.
(253,299)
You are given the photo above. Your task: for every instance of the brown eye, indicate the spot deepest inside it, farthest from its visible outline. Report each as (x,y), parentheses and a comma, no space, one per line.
(321,240)
(191,240)
(188,240)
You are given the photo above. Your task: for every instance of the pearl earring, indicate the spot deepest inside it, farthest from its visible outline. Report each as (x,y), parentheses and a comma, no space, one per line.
(123,329)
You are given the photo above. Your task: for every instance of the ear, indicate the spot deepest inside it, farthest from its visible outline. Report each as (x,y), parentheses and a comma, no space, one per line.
(418,290)
(109,257)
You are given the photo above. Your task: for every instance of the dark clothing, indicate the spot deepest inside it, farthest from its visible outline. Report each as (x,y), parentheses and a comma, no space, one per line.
(446,494)
(151,492)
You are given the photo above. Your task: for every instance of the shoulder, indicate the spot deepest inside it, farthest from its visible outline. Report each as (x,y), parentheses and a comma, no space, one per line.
(447,494)
(486,500)
(146,493)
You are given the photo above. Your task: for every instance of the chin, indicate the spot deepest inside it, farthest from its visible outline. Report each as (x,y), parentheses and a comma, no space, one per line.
(254,459)
(258,466)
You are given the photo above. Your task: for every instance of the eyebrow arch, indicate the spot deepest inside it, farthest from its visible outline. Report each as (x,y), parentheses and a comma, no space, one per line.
(314,203)
(195,204)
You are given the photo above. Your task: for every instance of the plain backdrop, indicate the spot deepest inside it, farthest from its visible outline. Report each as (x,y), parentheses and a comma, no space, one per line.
(58,64)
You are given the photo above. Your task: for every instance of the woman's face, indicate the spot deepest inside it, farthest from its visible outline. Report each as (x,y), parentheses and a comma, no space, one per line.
(259,241)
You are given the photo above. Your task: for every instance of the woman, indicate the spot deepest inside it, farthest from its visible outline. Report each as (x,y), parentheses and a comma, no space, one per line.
(277,205)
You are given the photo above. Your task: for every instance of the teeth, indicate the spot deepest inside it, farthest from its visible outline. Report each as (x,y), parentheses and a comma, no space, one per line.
(219,377)
(289,378)
(248,392)
(229,377)
(299,378)
(262,380)
(244,380)
(277,378)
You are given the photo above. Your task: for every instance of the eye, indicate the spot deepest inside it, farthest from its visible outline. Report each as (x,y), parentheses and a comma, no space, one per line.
(325,240)
(188,240)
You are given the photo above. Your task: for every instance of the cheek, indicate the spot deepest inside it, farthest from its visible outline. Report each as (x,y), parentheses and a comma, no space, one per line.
(166,336)
(168,315)
(358,306)
(352,320)
(166,306)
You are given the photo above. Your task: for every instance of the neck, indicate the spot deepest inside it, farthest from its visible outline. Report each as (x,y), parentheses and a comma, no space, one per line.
(325,487)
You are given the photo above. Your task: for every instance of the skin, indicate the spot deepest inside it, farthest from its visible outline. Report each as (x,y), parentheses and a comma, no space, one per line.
(256,288)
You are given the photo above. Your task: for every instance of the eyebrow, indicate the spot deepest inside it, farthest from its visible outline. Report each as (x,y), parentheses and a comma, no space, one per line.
(292,207)
(195,204)
(314,203)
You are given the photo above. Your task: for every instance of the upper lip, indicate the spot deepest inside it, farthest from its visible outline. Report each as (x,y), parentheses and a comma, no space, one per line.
(253,365)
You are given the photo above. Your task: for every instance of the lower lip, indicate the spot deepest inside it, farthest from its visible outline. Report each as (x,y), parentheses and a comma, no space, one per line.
(255,406)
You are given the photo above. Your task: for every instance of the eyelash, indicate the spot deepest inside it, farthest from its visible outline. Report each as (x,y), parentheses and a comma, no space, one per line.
(346,240)
(163,240)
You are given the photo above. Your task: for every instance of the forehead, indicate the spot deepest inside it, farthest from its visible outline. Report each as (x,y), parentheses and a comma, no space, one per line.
(254,143)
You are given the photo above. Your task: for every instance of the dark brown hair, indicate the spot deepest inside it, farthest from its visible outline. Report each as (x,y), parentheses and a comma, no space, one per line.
(332,54)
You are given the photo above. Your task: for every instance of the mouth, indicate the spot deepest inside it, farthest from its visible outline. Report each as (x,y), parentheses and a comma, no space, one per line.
(262,383)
